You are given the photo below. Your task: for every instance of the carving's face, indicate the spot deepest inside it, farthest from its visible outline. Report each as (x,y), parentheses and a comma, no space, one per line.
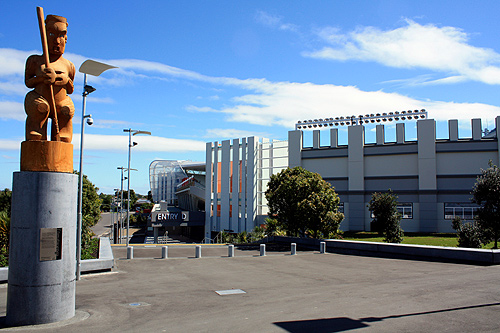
(57,37)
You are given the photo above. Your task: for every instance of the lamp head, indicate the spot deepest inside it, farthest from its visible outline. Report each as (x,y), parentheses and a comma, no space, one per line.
(88,89)
(90,121)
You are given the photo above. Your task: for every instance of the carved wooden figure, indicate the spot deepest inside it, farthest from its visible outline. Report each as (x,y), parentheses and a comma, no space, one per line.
(58,74)
(51,77)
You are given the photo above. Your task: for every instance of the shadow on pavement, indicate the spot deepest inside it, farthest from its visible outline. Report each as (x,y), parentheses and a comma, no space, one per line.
(341,324)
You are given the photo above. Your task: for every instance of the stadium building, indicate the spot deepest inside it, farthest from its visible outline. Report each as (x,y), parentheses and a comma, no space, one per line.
(432,177)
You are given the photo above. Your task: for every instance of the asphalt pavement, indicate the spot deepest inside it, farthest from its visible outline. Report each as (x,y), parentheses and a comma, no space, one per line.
(309,292)
(103,227)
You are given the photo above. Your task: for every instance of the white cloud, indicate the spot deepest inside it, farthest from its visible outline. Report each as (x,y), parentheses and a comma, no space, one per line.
(10,144)
(145,143)
(12,61)
(96,142)
(441,49)
(13,87)
(12,110)
(274,21)
(230,133)
(426,80)
(284,103)
(106,123)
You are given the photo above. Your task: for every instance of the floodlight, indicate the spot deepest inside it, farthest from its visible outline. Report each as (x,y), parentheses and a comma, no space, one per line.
(359,120)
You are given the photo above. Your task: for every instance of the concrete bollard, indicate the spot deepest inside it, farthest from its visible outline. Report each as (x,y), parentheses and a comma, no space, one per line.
(130,252)
(164,252)
(294,249)
(198,251)
(322,247)
(230,251)
(262,250)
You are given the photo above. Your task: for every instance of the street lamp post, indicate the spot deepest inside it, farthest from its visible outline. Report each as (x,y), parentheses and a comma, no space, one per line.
(114,218)
(93,68)
(121,199)
(130,145)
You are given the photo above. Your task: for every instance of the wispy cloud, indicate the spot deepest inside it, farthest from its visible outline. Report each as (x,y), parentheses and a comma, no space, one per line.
(12,61)
(425,80)
(230,133)
(263,102)
(441,49)
(96,142)
(283,103)
(107,123)
(10,144)
(274,21)
(12,110)
(145,143)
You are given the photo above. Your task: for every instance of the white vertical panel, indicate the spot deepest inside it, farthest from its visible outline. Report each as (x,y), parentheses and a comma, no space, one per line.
(215,219)
(251,184)
(235,188)
(225,180)
(208,189)
(243,203)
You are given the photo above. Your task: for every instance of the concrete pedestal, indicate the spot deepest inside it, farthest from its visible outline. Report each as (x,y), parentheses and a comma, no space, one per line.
(42,263)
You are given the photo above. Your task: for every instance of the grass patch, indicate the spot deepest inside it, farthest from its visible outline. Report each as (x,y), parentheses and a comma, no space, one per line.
(449,240)
(445,239)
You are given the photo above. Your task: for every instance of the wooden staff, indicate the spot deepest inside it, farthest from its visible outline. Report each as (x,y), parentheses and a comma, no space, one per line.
(43,35)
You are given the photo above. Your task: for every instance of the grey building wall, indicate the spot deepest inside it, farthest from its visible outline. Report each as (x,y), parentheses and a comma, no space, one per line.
(427,173)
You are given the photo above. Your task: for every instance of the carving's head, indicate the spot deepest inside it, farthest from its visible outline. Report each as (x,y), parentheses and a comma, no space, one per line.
(57,33)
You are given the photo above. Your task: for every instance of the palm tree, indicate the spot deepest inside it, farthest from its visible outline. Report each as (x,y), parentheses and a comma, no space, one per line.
(4,230)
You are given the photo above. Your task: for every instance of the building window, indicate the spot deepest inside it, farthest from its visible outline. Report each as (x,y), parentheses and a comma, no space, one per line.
(406,210)
(340,208)
(464,210)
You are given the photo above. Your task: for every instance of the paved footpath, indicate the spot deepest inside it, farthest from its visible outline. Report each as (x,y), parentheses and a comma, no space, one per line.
(309,292)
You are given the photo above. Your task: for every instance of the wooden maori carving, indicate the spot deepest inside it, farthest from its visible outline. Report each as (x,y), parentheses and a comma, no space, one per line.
(51,77)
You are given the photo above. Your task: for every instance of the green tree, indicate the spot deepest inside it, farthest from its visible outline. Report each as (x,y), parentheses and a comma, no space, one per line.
(5,201)
(384,207)
(5,211)
(107,200)
(486,193)
(133,198)
(301,201)
(4,231)
(91,212)
(150,196)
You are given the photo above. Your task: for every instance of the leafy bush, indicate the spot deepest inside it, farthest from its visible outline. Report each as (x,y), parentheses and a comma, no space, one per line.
(91,250)
(256,234)
(241,238)
(469,233)
(486,193)
(384,207)
(273,228)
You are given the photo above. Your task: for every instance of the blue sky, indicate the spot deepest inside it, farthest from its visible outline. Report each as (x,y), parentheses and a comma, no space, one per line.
(192,72)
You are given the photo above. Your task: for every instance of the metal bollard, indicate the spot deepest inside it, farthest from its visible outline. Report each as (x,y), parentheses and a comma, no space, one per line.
(262,250)
(230,251)
(164,252)
(130,252)
(198,251)
(294,249)
(322,247)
